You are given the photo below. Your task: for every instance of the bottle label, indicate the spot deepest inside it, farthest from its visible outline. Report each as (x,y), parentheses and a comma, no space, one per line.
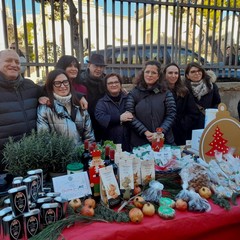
(50,216)
(32,226)
(20,202)
(15,229)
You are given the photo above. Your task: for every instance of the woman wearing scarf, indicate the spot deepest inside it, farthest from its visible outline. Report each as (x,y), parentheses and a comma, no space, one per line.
(63,113)
(201,84)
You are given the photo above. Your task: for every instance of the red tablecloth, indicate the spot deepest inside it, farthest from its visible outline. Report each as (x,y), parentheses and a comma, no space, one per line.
(216,224)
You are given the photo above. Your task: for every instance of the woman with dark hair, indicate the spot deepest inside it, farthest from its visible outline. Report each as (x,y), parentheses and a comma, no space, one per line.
(187,111)
(110,112)
(152,106)
(201,84)
(72,68)
(63,113)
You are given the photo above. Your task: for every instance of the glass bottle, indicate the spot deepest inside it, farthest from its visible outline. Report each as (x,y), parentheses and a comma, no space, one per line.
(86,155)
(112,162)
(107,157)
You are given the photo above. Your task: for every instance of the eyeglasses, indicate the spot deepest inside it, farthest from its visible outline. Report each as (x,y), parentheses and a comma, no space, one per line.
(12,48)
(58,84)
(113,83)
(195,71)
(150,72)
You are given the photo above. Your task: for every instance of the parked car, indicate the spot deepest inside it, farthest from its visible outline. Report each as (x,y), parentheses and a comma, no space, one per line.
(128,60)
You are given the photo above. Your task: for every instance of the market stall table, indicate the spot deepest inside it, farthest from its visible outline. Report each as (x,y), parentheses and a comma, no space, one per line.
(217,224)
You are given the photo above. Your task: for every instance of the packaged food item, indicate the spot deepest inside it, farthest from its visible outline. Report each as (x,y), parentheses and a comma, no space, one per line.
(31,223)
(154,192)
(19,200)
(32,187)
(49,213)
(165,201)
(110,188)
(12,227)
(166,212)
(147,171)
(126,180)
(39,173)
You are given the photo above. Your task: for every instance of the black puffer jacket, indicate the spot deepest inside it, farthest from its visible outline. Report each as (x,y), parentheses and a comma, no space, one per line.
(18,108)
(152,108)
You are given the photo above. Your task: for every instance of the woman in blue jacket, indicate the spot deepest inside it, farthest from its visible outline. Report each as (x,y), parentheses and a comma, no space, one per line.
(111,114)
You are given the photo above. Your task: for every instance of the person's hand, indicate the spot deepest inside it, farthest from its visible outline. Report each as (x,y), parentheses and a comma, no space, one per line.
(149,135)
(126,117)
(43,100)
(83,103)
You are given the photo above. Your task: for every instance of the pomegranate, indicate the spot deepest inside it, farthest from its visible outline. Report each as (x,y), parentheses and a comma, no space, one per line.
(138,202)
(148,209)
(135,215)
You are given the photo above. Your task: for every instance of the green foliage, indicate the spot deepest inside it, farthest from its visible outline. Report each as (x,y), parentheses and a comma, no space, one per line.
(48,151)
(50,52)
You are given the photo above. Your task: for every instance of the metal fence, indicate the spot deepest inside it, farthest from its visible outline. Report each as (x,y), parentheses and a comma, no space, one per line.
(126,32)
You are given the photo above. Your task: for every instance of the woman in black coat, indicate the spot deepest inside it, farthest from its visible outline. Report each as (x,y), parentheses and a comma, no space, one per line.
(110,112)
(187,111)
(152,105)
(201,84)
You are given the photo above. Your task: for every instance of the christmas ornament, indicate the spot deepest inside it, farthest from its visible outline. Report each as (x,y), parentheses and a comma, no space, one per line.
(220,135)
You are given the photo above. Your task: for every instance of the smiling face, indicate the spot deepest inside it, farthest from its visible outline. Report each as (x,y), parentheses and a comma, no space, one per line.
(72,71)
(113,86)
(195,74)
(172,75)
(151,75)
(61,85)
(10,64)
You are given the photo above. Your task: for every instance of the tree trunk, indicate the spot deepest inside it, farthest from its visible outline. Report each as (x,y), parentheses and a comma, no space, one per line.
(72,19)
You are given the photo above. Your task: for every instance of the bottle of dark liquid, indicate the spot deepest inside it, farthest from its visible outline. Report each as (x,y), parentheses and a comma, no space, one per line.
(86,156)
(112,162)
(107,156)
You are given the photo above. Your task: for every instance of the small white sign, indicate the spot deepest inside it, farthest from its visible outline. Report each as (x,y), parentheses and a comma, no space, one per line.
(73,185)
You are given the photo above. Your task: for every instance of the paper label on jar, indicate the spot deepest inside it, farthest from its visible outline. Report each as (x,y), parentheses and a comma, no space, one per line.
(50,216)
(32,226)
(15,229)
(20,201)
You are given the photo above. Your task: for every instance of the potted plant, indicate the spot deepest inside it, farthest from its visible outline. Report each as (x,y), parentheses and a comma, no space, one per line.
(48,151)
(62,152)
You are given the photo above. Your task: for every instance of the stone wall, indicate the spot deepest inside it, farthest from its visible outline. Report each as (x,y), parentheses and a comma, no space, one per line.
(229,91)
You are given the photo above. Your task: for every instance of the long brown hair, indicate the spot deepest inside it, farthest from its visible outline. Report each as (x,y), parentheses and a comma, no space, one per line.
(179,87)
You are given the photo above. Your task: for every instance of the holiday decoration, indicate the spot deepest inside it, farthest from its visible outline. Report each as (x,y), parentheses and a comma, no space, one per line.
(218,143)
(220,135)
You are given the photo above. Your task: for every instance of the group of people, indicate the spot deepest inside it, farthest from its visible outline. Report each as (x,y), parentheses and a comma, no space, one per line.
(92,105)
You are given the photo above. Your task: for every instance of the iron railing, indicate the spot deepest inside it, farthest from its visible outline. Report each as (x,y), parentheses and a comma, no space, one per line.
(126,32)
